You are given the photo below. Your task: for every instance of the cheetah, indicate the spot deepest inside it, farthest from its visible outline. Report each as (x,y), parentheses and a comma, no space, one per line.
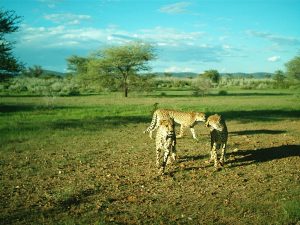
(165,144)
(185,119)
(219,136)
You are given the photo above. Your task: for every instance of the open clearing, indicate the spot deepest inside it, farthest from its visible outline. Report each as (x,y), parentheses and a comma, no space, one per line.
(85,160)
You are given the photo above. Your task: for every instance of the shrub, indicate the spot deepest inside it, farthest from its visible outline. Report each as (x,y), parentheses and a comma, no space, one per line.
(222,92)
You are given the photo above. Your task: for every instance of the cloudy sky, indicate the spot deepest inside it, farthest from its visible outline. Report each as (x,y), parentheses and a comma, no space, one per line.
(189,36)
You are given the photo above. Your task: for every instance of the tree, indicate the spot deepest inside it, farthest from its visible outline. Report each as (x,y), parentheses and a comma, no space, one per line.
(279,76)
(9,65)
(200,86)
(166,74)
(77,64)
(213,75)
(268,76)
(123,62)
(35,71)
(293,68)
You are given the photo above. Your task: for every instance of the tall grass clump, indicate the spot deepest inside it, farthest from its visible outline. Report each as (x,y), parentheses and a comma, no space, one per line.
(291,212)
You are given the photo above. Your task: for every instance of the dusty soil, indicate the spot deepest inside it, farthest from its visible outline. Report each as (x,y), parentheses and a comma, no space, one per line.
(109,177)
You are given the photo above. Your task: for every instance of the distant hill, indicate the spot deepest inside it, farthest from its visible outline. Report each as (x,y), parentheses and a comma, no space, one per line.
(183,74)
(239,74)
(51,72)
(176,74)
(254,75)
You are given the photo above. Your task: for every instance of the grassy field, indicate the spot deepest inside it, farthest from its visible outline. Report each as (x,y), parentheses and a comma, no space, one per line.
(85,160)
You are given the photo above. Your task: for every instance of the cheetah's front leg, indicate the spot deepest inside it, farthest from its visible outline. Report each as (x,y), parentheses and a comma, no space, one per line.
(158,157)
(214,155)
(172,155)
(211,159)
(164,162)
(223,152)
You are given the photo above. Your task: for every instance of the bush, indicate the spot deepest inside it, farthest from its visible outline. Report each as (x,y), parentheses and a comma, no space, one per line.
(53,86)
(222,92)
(201,86)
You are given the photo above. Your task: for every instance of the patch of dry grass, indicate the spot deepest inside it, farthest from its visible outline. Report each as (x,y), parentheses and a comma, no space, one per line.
(92,166)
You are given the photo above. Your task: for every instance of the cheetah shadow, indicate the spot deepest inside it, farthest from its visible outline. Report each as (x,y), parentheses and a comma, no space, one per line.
(241,158)
(253,132)
(248,157)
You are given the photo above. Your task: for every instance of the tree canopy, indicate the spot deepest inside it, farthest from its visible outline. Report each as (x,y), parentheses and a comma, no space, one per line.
(77,64)
(293,68)
(213,75)
(115,65)
(9,65)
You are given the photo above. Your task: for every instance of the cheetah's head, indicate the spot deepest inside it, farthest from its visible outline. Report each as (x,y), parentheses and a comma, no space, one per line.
(167,126)
(200,116)
(214,122)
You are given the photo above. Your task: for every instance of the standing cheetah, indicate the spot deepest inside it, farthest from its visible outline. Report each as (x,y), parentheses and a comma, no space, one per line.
(165,143)
(219,136)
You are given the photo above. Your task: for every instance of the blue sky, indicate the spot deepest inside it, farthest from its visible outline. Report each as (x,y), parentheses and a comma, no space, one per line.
(189,36)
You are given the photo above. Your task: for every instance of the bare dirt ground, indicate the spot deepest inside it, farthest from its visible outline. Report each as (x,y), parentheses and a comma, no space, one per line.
(109,177)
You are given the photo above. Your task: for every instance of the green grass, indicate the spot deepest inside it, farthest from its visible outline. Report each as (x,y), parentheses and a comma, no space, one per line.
(85,160)
(292,210)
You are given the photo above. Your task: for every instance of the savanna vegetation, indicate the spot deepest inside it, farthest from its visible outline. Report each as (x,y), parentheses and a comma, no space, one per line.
(85,160)
(95,75)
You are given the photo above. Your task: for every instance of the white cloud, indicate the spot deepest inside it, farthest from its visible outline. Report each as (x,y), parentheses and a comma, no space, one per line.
(169,36)
(50,3)
(60,37)
(279,40)
(274,58)
(176,8)
(226,46)
(171,45)
(67,18)
(159,36)
(223,38)
(175,69)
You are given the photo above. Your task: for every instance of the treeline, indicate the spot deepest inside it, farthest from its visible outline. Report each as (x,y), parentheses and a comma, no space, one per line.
(125,68)
(36,81)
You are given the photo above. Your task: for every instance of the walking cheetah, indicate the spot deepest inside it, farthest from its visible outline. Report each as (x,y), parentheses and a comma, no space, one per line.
(185,119)
(219,136)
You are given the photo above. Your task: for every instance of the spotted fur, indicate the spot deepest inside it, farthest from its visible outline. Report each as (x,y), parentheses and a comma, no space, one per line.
(219,136)
(165,144)
(185,119)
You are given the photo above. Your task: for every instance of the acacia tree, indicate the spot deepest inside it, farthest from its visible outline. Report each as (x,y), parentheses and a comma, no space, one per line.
(293,68)
(213,75)
(279,78)
(8,63)
(122,62)
(77,64)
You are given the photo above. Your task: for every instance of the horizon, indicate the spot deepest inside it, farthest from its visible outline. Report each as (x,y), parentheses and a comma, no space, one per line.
(189,36)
